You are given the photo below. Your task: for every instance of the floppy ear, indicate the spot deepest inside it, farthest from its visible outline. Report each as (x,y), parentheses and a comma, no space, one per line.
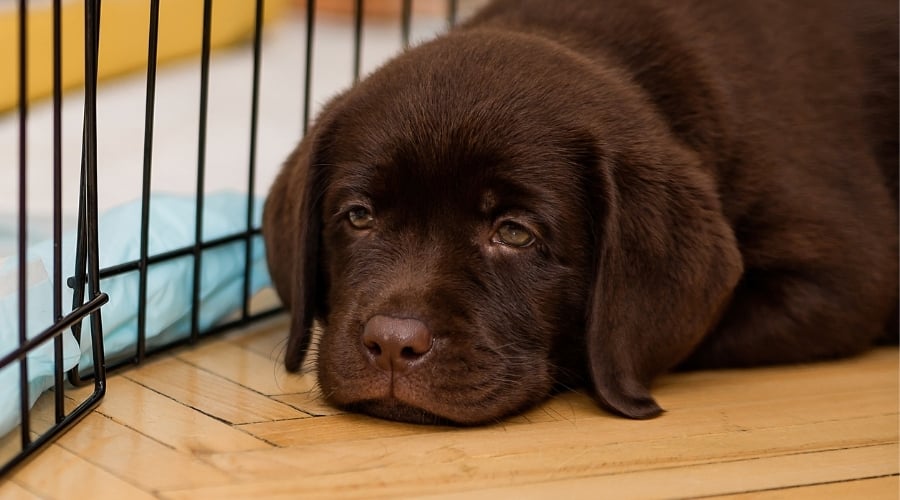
(667,262)
(291,226)
(292,220)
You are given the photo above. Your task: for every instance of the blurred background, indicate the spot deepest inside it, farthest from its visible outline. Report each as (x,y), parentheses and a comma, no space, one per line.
(123,82)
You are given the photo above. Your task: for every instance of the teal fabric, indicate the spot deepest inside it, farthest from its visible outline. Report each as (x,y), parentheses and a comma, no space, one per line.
(169,285)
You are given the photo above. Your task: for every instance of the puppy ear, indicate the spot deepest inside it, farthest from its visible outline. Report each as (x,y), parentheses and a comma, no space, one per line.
(292,221)
(667,262)
(291,226)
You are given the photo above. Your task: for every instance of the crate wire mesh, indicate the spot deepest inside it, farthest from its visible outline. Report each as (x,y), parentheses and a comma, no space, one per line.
(87,280)
(87,262)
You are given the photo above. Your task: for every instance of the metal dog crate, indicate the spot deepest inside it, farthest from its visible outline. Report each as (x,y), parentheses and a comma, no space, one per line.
(87,282)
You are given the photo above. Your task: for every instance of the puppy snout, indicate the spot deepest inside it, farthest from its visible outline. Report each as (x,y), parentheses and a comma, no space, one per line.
(396,344)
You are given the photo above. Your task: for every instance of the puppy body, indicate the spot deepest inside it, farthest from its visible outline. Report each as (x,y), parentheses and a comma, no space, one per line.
(704,184)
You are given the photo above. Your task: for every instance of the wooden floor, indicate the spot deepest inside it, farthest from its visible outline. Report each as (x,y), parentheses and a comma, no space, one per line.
(223,420)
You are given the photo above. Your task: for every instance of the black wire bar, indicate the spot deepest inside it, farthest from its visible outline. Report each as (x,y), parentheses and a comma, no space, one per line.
(149,108)
(307,75)
(23,220)
(201,169)
(406,22)
(452,12)
(251,168)
(357,38)
(58,379)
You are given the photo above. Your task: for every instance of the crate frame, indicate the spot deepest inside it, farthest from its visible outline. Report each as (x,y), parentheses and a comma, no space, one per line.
(88,299)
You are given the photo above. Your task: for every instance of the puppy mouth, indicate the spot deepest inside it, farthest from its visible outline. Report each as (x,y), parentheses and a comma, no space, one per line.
(460,414)
(445,384)
(420,402)
(411,401)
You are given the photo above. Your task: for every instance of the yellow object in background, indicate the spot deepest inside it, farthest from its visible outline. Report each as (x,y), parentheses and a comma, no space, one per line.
(124,34)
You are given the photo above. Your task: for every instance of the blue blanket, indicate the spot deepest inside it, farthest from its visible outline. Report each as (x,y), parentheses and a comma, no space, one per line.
(169,286)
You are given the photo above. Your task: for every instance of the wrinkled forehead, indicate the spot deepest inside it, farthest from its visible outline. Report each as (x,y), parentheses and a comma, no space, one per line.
(430,169)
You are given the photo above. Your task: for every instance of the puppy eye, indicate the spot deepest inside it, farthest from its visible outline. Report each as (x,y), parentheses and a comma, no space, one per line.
(514,235)
(360,217)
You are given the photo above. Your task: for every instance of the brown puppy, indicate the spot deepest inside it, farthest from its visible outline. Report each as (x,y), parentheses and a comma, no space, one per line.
(595,190)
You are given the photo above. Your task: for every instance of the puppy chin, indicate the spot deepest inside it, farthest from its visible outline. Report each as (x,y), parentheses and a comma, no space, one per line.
(394,409)
(414,402)
(391,408)
(405,403)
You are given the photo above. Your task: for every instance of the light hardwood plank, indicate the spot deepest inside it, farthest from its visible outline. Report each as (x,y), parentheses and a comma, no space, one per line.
(876,369)
(9,490)
(264,300)
(136,458)
(210,393)
(565,407)
(711,479)
(267,338)
(58,473)
(43,413)
(80,393)
(10,444)
(343,427)
(879,488)
(42,416)
(249,369)
(310,402)
(468,459)
(170,422)
(655,469)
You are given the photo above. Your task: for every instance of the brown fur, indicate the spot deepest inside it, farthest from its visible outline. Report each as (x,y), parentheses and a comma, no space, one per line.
(709,184)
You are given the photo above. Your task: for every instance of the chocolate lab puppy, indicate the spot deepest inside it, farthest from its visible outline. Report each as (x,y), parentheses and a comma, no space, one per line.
(595,191)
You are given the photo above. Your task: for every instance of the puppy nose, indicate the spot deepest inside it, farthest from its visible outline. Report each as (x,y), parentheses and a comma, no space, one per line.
(395,344)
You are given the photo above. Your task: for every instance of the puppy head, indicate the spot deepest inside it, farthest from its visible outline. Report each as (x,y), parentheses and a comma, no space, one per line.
(484,217)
